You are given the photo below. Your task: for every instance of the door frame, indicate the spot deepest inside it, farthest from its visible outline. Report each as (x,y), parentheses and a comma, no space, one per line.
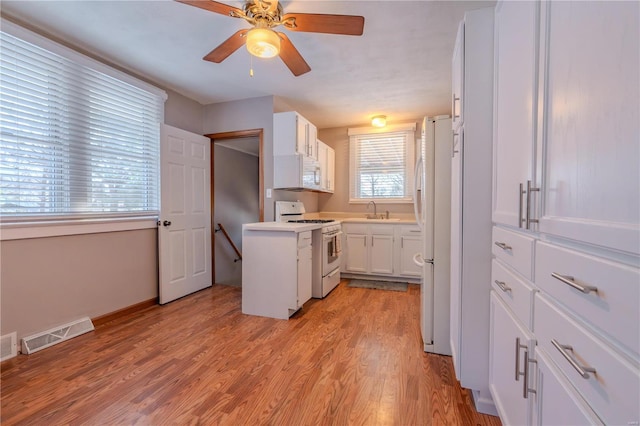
(235,135)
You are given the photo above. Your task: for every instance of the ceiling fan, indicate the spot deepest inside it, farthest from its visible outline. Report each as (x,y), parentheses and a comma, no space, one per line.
(262,41)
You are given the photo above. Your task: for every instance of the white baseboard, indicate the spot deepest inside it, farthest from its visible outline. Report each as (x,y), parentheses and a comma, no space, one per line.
(484,402)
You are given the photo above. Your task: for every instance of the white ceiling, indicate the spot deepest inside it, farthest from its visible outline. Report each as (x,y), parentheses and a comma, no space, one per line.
(400,67)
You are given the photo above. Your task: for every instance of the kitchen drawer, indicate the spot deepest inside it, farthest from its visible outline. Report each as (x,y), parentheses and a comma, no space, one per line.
(304,239)
(410,230)
(517,294)
(514,249)
(613,391)
(613,308)
(382,229)
(355,228)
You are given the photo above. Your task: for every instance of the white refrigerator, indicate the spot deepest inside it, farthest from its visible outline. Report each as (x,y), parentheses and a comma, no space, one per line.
(432,204)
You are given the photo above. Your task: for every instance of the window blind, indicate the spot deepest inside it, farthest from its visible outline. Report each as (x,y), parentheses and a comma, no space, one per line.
(381,166)
(74,141)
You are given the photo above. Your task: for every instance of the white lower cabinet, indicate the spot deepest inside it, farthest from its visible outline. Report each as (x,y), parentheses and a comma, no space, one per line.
(381,252)
(305,254)
(511,350)
(557,403)
(369,249)
(409,246)
(384,250)
(357,253)
(276,271)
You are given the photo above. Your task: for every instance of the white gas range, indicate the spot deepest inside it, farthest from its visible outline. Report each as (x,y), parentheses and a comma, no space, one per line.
(326,243)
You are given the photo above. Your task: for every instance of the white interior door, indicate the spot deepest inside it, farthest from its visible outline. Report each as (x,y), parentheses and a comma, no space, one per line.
(184,236)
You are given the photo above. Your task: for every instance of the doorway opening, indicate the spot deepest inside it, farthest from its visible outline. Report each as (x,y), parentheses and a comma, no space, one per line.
(237,197)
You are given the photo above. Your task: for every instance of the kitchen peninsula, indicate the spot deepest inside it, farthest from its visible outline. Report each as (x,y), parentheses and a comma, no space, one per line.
(276,267)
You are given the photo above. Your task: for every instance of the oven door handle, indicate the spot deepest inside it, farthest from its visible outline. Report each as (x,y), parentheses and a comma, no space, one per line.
(330,236)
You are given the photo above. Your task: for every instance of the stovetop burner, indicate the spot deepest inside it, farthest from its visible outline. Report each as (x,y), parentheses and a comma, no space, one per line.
(311,221)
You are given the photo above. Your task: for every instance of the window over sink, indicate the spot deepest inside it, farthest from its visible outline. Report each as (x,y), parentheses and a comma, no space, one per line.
(381,164)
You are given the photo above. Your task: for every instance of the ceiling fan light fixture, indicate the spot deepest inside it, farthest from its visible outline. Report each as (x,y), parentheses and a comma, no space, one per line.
(379,121)
(263,42)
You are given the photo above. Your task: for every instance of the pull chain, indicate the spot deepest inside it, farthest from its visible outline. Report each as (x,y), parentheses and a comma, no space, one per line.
(250,65)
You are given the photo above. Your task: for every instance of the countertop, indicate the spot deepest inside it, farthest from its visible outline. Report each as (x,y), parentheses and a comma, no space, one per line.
(301,227)
(281,226)
(388,221)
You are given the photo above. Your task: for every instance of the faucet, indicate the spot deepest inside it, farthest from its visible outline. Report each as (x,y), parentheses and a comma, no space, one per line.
(375,209)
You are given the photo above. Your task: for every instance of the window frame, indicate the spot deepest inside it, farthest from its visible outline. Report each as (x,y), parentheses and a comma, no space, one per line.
(47,225)
(409,167)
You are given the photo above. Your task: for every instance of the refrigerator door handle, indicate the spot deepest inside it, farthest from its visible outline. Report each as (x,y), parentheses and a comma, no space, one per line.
(417,175)
(421,261)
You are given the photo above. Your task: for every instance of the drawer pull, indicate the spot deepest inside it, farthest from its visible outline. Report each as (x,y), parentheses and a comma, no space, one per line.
(503,246)
(564,350)
(570,281)
(503,286)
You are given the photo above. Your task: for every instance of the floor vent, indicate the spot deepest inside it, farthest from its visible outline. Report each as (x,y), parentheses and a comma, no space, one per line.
(56,335)
(8,346)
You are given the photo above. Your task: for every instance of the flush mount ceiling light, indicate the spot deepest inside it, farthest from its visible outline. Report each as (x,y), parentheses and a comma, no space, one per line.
(263,42)
(379,121)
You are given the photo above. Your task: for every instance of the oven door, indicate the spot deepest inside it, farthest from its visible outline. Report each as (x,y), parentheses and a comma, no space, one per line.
(331,251)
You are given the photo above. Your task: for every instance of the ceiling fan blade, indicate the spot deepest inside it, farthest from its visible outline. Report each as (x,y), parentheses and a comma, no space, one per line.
(214,6)
(328,24)
(291,57)
(227,47)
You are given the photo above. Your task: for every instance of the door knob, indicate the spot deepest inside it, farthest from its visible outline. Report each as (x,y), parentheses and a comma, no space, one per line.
(166,223)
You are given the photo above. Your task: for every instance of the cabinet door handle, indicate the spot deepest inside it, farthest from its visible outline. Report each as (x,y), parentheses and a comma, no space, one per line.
(570,281)
(503,246)
(454,106)
(518,347)
(503,286)
(525,385)
(528,220)
(564,350)
(521,192)
(454,151)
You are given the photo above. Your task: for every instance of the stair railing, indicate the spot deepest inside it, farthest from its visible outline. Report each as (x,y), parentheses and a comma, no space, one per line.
(224,232)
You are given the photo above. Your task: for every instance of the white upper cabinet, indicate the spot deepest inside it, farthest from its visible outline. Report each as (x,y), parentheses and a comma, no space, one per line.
(331,169)
(515,106)
(327,160)
(322,159)
(457,64)
(591,157)
(294,134)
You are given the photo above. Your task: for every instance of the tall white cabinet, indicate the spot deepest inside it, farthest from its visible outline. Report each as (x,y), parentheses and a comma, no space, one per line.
(471,204)
(566,268)
(515,107)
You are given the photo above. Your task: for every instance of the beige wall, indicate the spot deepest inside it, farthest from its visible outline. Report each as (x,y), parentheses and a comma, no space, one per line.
(45,282)
(183,113)
(50,281)
(338,139)
(255,113)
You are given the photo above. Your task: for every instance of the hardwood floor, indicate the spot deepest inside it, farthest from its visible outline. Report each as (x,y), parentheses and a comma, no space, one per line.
(354,358)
